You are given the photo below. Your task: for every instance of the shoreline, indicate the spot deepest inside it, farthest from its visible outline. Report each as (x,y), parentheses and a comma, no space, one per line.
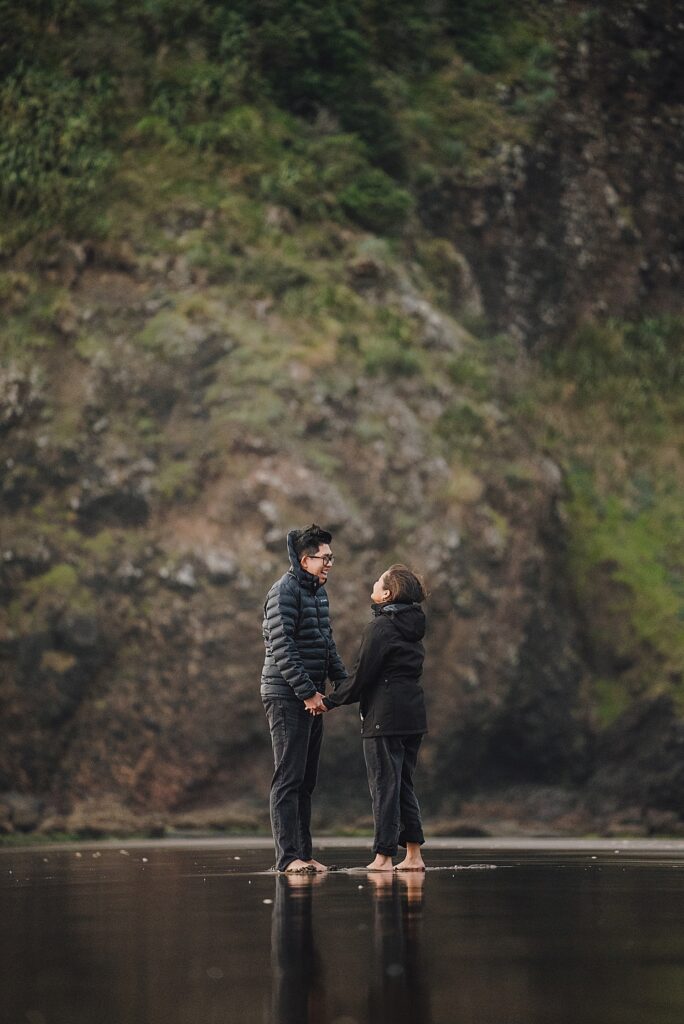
(502,844)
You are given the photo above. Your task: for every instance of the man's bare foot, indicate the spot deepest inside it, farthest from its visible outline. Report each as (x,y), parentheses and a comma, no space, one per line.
(316,865)
(381,863)
(309,879)
(299,865)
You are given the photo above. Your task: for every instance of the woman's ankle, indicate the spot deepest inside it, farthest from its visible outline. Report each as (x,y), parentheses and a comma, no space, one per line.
(381,862)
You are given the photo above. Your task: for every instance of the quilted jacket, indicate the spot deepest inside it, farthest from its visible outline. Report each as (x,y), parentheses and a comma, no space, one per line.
(298,636)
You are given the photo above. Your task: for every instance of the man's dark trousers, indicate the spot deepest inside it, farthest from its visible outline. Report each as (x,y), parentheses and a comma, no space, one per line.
(296,737)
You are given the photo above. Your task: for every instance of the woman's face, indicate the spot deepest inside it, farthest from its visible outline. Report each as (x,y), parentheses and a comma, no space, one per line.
(380,594)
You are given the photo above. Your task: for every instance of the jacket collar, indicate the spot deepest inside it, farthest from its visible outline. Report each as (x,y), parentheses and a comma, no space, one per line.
(304,578)
(408,617)
(393,608)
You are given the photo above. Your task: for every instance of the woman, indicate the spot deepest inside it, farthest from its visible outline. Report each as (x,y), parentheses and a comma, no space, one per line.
(386,683)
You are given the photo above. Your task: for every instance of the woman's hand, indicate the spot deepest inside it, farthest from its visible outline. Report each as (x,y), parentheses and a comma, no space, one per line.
(314,705)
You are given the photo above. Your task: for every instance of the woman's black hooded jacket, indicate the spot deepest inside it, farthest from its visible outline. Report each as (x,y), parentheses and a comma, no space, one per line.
(386,678)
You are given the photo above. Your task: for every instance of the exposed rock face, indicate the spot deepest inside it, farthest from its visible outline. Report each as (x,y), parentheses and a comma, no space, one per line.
(588,219)
(641,761)
(149,480)
(131,676)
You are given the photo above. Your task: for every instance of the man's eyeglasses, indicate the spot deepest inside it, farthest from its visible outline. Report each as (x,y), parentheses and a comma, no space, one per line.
(327,559)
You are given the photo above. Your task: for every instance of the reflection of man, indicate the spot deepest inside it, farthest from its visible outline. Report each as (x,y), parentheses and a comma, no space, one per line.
(300,656)
(399,993)
(298,989)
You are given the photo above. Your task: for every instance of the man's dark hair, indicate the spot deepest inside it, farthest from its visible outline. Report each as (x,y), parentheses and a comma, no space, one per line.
(309,540)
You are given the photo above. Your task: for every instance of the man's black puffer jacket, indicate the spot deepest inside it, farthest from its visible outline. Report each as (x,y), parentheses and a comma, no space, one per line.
(298,637)
(386,680)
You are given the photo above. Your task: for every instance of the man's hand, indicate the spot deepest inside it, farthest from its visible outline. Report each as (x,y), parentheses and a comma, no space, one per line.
(314,705)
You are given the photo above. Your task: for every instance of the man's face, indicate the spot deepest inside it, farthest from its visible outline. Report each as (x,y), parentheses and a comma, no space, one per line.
(320,564)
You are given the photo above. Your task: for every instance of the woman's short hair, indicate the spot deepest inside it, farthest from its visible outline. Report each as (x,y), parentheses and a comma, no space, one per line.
(404,585)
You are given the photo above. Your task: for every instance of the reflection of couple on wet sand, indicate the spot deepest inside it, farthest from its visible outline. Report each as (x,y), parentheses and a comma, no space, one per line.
(300,657)
(397,987)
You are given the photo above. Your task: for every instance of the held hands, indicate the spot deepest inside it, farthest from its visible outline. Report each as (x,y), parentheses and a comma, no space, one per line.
(314,705)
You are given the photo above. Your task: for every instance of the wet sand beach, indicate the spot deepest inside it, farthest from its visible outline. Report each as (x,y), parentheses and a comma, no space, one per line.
(500,931)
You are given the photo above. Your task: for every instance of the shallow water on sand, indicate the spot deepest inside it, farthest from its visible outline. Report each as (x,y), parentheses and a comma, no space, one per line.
(168,934)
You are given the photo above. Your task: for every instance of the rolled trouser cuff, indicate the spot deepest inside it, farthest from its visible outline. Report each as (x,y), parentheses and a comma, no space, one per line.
(384,851)
(411,837)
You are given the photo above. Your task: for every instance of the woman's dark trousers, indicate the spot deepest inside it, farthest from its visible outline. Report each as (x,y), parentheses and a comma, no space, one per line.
(296,737)
(391,763)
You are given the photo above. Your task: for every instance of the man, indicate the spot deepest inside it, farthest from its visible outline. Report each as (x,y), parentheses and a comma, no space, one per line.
(300,656)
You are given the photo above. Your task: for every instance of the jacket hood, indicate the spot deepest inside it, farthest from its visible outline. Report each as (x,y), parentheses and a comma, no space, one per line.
(408,618)
(305,578)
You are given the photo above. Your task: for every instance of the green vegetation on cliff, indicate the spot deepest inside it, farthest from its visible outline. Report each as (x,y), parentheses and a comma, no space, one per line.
(620,387)
(329,108)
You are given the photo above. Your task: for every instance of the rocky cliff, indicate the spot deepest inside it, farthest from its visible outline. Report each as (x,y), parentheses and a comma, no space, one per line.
(217,358)
(586,220)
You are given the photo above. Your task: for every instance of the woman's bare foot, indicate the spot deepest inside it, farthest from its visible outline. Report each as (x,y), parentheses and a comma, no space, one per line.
(381,863)
(413,861)
(411,864)
(411,882)
(298,865)
(382,882)
(316,865)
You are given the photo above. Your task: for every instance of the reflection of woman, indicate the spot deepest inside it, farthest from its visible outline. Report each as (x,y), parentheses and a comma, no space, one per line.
(386,683)
(398,993)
